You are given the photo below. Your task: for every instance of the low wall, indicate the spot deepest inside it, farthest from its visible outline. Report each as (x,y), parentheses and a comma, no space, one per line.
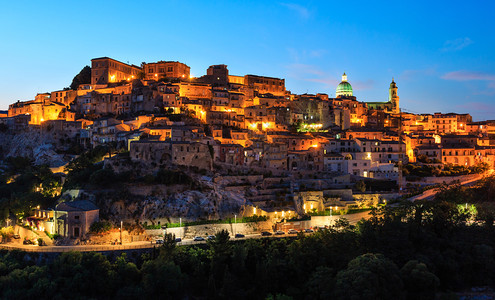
(373,199)
(235,179)
(446,179)
(254,228)
(212,229)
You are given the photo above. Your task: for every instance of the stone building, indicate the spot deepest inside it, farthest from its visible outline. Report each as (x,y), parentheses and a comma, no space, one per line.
(41,109)
(463,155)
(74,219)
(266,85)
(392,105)
(166,69)
(182,153)
(232,154)
(105,70)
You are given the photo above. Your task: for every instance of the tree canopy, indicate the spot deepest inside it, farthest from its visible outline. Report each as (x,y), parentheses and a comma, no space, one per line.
(84,77)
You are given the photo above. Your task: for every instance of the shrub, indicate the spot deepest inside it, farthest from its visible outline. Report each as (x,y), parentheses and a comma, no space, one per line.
(103,177)
(100,227)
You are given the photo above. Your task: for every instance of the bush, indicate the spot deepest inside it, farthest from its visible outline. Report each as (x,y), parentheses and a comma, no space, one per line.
(52,236)
(103,177)
(100,227)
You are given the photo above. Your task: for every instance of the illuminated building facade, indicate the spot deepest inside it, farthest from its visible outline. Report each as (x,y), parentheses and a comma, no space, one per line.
(106,70)
(266,85)
(166,69)
(392,106)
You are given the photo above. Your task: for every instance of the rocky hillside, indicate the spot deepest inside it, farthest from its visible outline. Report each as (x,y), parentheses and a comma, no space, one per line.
(31,144)
(166,203)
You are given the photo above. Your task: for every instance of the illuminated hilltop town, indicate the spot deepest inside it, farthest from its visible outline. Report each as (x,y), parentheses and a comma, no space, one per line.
(285,153)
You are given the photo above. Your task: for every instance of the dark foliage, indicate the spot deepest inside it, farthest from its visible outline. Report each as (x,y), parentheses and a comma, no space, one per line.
(411,251)
(24,186)
(84,77)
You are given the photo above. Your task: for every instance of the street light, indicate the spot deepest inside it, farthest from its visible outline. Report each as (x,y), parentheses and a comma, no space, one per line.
(121,232)
(329,219)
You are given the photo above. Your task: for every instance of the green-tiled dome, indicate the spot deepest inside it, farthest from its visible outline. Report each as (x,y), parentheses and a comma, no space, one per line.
(344,88)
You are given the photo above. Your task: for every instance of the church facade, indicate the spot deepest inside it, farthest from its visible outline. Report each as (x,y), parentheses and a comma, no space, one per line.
(344,90)
(392,105)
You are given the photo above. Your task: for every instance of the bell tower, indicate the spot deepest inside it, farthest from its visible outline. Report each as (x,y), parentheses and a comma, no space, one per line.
(392,97)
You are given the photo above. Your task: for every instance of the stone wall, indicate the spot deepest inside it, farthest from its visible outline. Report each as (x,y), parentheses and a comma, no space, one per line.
(367,200)
(252,228)
(226,180)
(212,229)
(446,179)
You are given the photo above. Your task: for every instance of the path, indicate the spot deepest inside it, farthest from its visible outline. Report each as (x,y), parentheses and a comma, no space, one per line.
(430,194)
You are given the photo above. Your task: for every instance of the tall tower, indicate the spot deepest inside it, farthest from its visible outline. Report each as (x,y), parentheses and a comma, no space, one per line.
(392,97)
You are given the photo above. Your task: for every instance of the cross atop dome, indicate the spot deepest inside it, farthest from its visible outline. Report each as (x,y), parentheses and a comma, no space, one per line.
(344,77)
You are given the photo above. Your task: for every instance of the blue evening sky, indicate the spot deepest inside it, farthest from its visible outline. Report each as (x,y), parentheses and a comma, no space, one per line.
(442,55)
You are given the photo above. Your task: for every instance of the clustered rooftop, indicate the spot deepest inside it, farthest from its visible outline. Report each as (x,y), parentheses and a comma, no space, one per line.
(163,115)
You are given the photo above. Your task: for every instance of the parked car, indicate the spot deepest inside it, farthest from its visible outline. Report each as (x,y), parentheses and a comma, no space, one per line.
(308,230)
(266,233)
(239,236)
(279,232)
(159,241)
(198,239)
(178,240)
(211,237)
(28,242)
(292,231)
(16,236)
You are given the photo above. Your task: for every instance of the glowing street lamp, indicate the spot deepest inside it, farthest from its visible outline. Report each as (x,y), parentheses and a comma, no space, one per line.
(235,222)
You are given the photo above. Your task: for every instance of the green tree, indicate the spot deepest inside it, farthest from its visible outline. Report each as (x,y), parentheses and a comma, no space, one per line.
(103,177)
(84,77)
(221,252)
(369,276)
(168,248)
(162,279)
(321,283)
(361,186)
(419,282)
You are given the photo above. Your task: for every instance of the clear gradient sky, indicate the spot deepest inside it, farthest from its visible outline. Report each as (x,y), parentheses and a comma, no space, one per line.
(442,55)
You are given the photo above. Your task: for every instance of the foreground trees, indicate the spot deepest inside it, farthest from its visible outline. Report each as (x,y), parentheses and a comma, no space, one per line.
(410,251)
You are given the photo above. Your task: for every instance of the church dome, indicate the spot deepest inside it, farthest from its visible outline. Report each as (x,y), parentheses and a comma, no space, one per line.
(344,88)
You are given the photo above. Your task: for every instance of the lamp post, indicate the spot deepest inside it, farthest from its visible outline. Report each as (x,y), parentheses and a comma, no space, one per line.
(330,218)
(121,232)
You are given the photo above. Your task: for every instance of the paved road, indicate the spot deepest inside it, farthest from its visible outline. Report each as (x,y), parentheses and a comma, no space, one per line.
(430,194)
(353,219)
